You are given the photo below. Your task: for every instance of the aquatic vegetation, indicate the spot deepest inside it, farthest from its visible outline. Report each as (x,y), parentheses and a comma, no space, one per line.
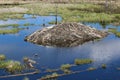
(2,57)
(114,31)
(27,24)
(91,69)
(83,61)
(7,16)
(25,78)
(14,66)
(66,71)
(7,25)
(50,77)
(10,31)
(11,66)
(53,22)
(104,66)
(65,66)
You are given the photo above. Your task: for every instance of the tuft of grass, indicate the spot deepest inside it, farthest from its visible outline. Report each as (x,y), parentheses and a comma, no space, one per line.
(2,57)
(104,66)
(83,61)
(65,66)
(66,71)
(11,66)
(14,66)
(50,77)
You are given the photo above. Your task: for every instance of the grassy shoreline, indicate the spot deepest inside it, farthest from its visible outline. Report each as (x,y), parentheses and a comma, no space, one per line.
(83,12)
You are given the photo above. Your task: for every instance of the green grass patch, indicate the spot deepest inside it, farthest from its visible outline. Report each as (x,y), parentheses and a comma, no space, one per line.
(7,25)
(82,61)
(67,71)
(10,31)
(11,66)
(65,66)
(85,12)
(50,77)
(28,24)
(6,16)
(114,31)
(82,12)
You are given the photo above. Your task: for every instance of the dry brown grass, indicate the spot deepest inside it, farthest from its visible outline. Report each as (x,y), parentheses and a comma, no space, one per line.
(16,1)
(13,10)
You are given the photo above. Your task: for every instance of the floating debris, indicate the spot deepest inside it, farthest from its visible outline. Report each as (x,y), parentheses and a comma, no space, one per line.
(29,62)
(91,69)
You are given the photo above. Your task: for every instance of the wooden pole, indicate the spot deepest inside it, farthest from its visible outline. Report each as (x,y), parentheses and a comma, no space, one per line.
(56,11)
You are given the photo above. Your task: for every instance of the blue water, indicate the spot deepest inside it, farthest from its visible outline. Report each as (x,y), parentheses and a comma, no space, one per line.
(105,51)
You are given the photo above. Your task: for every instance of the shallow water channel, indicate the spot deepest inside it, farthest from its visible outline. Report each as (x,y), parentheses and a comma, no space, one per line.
(105,51)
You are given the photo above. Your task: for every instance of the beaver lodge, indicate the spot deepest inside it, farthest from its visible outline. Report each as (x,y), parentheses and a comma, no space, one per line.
(65,35)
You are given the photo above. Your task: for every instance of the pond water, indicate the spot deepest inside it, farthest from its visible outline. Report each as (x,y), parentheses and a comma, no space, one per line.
(105,51)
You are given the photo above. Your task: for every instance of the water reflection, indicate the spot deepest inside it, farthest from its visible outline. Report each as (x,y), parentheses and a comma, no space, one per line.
(105,51)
